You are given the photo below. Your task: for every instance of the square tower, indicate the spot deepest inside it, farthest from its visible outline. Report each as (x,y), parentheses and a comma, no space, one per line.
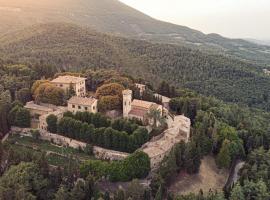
(127,98)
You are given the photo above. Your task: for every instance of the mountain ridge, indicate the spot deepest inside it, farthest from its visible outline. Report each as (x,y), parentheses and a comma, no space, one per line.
(114,17)
(69,47)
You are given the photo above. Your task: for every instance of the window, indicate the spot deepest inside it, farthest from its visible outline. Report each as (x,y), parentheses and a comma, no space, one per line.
(94,107)
(85,108)
(79,107)
(61,85)
(73,106)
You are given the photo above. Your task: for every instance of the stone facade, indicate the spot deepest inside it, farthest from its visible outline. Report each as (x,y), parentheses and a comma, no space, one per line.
(78,84)
(141,87)
(159,147)
(82,104)
(37,110)
(165,100)
(59,112)
(137,108)
(127,99)
(39,113)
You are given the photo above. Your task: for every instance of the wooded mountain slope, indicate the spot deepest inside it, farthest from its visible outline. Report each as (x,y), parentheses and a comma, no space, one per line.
(112,16)
(69,47)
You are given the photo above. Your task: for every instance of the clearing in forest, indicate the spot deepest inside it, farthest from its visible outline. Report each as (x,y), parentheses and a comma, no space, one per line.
(209,177)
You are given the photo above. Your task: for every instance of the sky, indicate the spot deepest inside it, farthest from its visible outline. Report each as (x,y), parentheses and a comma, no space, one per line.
(230,18)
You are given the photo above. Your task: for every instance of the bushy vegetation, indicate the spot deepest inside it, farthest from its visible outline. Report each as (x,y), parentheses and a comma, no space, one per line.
(254,181)
(45,92)
(27,175)
(103,137)
(96,129)
(137,165)
(225,131)
(110,97)
(52,123)
(19,116)
(96,119)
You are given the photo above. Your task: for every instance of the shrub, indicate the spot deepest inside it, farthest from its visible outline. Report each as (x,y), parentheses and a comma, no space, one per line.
(104,137)
(137,165)
(52,123)
(88,149)
(22,118)
(35,134)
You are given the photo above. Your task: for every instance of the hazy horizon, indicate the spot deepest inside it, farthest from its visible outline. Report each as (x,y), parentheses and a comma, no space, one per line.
(247,19)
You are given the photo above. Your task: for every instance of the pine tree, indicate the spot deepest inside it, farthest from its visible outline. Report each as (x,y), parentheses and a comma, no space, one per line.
(62,194)
(159,193)
(120,195)
(223,158)
(237,193)
(23,118)
(192,158)
(52,123)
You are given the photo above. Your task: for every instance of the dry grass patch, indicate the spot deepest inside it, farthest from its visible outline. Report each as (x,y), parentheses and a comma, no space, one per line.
(209,177)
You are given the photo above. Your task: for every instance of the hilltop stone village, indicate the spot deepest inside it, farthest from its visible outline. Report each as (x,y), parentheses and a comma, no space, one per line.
(178,127)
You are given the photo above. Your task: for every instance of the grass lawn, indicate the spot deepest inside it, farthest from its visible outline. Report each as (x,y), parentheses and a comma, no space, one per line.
(41,145)
(57,160)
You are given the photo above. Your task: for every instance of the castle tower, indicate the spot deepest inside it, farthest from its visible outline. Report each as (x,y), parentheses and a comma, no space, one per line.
(127,98)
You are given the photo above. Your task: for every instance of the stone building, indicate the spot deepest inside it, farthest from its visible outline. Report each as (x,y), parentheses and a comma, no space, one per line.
(157,149)
(82,104)
(36,111)
(266,71)
(165,100)
(65,82)
(39,113)
(59,113)
(137,108)
(141,87)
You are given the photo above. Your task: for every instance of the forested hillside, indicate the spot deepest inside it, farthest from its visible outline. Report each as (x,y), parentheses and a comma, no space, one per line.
(112,16)
(69,47)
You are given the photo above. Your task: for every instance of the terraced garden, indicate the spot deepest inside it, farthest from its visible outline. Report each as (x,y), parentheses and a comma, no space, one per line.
(57,155)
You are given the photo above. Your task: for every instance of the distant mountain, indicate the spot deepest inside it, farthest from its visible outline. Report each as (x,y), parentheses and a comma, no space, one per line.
(260,42)
(70,47)
(112,16)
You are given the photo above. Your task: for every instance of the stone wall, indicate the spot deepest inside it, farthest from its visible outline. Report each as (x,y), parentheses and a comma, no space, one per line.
(99,153)
(160,146)
(156,149)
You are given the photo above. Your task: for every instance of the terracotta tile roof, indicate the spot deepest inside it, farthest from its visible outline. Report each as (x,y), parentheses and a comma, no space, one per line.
(68,79)
(32,106)
(143,104)
(82,101)
(127,92)
(138,112)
